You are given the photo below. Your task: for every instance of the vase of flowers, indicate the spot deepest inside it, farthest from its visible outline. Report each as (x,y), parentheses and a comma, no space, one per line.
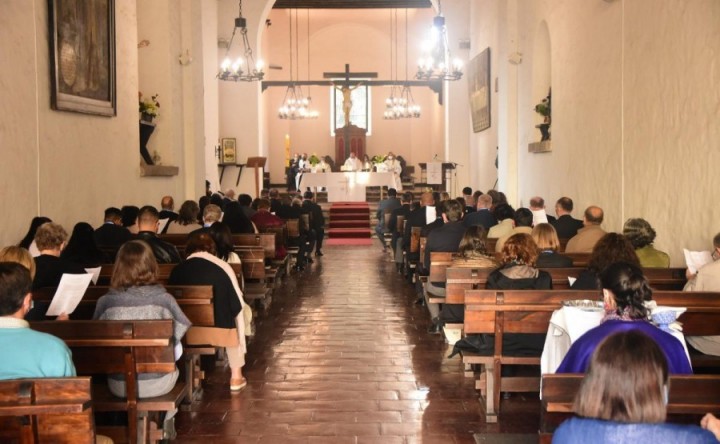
(149,107)
(544,108)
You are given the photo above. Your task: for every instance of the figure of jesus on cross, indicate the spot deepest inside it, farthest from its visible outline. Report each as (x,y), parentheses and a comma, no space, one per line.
(347,99)
(347,85)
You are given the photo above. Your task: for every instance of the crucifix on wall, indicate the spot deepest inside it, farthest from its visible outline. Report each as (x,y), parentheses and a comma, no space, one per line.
(347,85)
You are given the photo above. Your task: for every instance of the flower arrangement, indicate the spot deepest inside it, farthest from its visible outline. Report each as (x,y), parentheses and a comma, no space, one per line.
(544,108)
(149,106)
(314,160)
(378,159)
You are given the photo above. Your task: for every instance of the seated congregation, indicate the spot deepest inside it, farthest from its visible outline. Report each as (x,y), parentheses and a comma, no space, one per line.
(502,282)
(522,294)
(172,287)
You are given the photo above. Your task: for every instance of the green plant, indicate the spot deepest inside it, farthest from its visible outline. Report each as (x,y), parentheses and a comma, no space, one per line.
(378,159)
(544,108)
(314,160)
(149,106)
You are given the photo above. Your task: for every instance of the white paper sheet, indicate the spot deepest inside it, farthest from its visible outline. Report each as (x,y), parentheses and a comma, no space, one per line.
(539,217)
(69,293)
(696,259)
(161,224)
(434,173)
(571,280)
(95,272)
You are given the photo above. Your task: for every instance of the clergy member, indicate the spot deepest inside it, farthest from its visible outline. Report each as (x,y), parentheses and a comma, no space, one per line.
(392,165)
(352,163)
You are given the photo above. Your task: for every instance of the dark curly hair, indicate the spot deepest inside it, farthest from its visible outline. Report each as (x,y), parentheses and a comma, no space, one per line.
(613,247)
(629,287)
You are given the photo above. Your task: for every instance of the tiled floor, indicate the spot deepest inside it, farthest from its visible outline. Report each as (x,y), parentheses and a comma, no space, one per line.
(343,356)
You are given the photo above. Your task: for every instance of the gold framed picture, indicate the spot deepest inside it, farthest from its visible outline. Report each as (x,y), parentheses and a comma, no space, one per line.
(229,153)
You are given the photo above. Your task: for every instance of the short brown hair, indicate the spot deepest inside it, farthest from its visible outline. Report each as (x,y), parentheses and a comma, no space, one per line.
(50,236)
(19,255)
(626,380)
(545,237)
(519,248)
(263,204)
(473,242)
(200,241)
(612,247)
(135,265)
(15,284)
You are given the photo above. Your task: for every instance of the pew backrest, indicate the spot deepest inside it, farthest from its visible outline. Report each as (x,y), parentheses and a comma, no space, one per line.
(265,240)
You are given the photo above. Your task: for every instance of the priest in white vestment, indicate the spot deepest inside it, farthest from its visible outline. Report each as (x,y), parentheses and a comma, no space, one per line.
(352,163)
(392,165)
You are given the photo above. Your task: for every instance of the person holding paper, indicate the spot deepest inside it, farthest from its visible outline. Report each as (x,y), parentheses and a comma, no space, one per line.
(26,353)
(707,277)
(51,239)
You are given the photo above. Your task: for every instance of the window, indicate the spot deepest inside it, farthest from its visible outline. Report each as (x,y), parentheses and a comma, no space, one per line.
(359,113)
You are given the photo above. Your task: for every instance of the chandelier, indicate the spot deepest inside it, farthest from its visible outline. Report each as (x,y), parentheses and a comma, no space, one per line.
(400,104)
(295,105)
(244,68)
(436,64)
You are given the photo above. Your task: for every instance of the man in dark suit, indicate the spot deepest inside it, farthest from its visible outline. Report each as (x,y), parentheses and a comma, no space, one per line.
(317,220)
(418,218)
(111,234)
(167,205)
(389,204)
(275,202)
(482,215)
(442,239)
(565,225)
(164,252)
(469,200)
(404,211)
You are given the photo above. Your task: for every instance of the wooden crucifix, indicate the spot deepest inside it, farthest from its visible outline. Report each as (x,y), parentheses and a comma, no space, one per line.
(346,86)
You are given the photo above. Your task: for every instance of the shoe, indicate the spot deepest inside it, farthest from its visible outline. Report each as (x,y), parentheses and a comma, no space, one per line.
(434,329)
(237,384)
(420,302)
(319,253)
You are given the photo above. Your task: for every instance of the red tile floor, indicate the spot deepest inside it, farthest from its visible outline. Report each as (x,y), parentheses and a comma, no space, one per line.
(343,356)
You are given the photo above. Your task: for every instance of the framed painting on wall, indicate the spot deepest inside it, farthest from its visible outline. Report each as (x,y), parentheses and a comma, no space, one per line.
(82,56)
(479,90)
(229,154)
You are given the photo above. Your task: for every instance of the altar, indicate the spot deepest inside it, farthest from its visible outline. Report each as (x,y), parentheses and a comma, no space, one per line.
(346,186)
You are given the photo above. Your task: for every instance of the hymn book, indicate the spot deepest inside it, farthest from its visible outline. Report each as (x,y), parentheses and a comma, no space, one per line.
(695,260)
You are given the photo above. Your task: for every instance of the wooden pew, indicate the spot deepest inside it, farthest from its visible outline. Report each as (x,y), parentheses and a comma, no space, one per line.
(196,301)
(57,410)
(528,311)
(491,242)
(257,282)
(689,395)
(439,262)
(128,348)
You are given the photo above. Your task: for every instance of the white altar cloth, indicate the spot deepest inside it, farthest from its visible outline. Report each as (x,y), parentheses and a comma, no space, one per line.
(346,186)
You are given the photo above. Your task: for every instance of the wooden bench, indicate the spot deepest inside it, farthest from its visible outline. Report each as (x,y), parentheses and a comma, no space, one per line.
(491,243)
(528,311)
(196,301)
(499,313)
(439,262)
(127,348)
(257,280)
(57,410)
(689,395)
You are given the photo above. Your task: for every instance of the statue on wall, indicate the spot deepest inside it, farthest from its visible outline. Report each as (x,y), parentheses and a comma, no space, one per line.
(347,99)
(544,108)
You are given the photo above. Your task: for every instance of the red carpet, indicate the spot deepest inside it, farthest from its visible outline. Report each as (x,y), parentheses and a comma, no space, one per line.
(348,241)
(349,220)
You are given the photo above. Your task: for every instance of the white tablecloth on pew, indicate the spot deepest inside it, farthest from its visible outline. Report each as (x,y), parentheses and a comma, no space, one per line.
(566,326)
(346,186)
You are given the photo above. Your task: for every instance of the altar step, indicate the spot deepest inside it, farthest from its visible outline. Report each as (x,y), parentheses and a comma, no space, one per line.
(349,220)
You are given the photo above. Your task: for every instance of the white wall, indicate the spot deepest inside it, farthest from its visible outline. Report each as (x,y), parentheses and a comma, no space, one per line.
(636,97)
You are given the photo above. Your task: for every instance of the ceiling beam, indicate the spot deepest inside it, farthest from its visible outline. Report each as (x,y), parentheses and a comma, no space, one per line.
(350,4)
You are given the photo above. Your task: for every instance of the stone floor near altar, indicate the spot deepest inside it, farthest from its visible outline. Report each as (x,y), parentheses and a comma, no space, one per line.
(342,356)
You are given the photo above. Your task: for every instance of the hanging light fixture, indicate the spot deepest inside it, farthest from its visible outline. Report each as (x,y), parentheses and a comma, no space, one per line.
(437,63)
(393,104)
(295,106)
(244,68)
(412,111)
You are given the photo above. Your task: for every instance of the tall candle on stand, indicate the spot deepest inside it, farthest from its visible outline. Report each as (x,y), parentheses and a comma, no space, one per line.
(287,150)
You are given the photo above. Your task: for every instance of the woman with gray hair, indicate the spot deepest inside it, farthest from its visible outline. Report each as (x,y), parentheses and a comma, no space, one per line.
(641,235)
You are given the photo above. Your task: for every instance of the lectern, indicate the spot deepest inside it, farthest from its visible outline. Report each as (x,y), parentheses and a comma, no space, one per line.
(257,163)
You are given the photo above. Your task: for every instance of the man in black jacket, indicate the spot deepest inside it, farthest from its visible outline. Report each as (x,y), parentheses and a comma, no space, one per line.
(565,225)
(482,214)
(404,211)
(111,234)
(317,220)
(164,252)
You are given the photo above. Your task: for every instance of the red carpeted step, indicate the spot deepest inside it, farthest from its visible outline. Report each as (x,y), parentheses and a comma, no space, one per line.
(349,216)
(349,232)
(349,223)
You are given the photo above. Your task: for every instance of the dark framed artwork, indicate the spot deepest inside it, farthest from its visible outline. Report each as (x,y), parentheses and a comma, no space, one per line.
(82,56)
(479,90)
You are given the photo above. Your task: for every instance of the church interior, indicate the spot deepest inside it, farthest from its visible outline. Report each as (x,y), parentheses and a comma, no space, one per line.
(344,357)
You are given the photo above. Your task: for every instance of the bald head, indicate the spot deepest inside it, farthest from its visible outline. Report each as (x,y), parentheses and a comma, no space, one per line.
(167,203)
(593,215)
(537,203)
(426,199)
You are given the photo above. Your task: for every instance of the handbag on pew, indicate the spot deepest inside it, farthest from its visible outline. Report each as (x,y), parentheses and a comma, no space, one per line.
(481,344)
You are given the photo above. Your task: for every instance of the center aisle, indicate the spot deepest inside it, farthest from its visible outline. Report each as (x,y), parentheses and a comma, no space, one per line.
(342,356)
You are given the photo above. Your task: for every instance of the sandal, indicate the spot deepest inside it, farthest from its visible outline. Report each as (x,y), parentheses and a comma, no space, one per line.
(237,384)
